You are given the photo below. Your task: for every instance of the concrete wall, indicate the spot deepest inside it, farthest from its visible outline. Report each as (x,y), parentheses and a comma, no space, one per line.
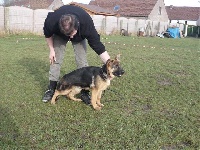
(19,19)
(111,25)
(194,23)
(198,22)
(132,26)
(1,18)
(38,19)
(99,22)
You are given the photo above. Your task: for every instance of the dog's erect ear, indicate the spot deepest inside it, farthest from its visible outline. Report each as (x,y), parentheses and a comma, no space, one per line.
(118,57)
(107,61)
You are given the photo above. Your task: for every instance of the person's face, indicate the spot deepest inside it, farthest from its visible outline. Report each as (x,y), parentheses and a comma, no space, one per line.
(73,33)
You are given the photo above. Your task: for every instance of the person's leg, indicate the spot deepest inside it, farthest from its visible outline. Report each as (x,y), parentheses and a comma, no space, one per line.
(80,52)
(59,47)
(54,71)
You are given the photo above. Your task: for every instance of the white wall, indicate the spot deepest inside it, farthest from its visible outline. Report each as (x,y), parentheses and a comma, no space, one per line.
(183,22)
(99,22)
(1,18)
(111,25)
(39,18)
(18,18)
(24,19)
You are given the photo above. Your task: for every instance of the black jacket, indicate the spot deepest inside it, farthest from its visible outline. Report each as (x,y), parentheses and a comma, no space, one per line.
(86,28)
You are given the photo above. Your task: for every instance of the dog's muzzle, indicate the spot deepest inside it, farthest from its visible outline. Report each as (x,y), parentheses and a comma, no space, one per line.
(119,73)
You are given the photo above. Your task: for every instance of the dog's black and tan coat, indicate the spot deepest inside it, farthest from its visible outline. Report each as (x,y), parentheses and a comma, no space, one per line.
(95,78)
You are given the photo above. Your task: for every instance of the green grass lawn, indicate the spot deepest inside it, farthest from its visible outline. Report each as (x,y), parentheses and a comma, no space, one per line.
(154,106)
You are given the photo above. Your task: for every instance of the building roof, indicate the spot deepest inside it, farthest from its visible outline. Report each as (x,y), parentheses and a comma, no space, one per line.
(94,9)
(38,4)
(128,8)
(183,13)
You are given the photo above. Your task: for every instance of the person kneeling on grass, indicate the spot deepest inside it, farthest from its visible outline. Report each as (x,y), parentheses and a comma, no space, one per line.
(70,23)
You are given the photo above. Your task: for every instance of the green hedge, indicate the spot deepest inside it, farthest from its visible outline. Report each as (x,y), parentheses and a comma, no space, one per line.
(193,31)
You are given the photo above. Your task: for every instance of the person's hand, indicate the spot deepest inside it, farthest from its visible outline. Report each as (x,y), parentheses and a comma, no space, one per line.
(104,57)
(52,57)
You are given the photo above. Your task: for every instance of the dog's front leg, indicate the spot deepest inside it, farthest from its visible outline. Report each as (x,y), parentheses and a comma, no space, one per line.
(53,100)
(99,99)
(94,99)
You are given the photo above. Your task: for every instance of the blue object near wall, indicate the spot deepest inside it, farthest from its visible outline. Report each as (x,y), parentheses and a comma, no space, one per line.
(174,32)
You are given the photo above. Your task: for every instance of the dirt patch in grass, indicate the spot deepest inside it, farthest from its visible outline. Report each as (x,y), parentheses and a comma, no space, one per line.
(163,80)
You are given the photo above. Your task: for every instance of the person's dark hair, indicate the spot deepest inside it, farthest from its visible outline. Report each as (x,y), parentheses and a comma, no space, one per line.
(68,23)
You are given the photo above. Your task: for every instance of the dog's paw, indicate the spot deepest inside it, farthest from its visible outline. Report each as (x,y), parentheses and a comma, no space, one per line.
(100,105)
(97,108)
(53,103)
(78,100)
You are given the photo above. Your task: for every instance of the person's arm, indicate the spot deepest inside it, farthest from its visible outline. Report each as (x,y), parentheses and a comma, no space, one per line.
(94,41)
(52,56)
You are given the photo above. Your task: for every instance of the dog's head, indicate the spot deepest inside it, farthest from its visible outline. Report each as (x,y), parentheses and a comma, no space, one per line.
(113,68)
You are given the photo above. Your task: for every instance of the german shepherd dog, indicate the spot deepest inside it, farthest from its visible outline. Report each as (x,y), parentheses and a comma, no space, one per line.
(97,79)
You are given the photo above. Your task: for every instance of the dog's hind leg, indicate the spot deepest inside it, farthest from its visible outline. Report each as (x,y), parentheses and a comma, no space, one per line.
(75,90)
(94,99)
(57,93)
(71,96)
(99,99)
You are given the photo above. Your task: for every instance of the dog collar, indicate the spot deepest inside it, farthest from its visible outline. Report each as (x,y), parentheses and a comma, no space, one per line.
(103,75)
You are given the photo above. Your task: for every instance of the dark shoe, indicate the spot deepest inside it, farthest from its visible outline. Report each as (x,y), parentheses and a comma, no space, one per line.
(50,92)
(85,97)
(48,95)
